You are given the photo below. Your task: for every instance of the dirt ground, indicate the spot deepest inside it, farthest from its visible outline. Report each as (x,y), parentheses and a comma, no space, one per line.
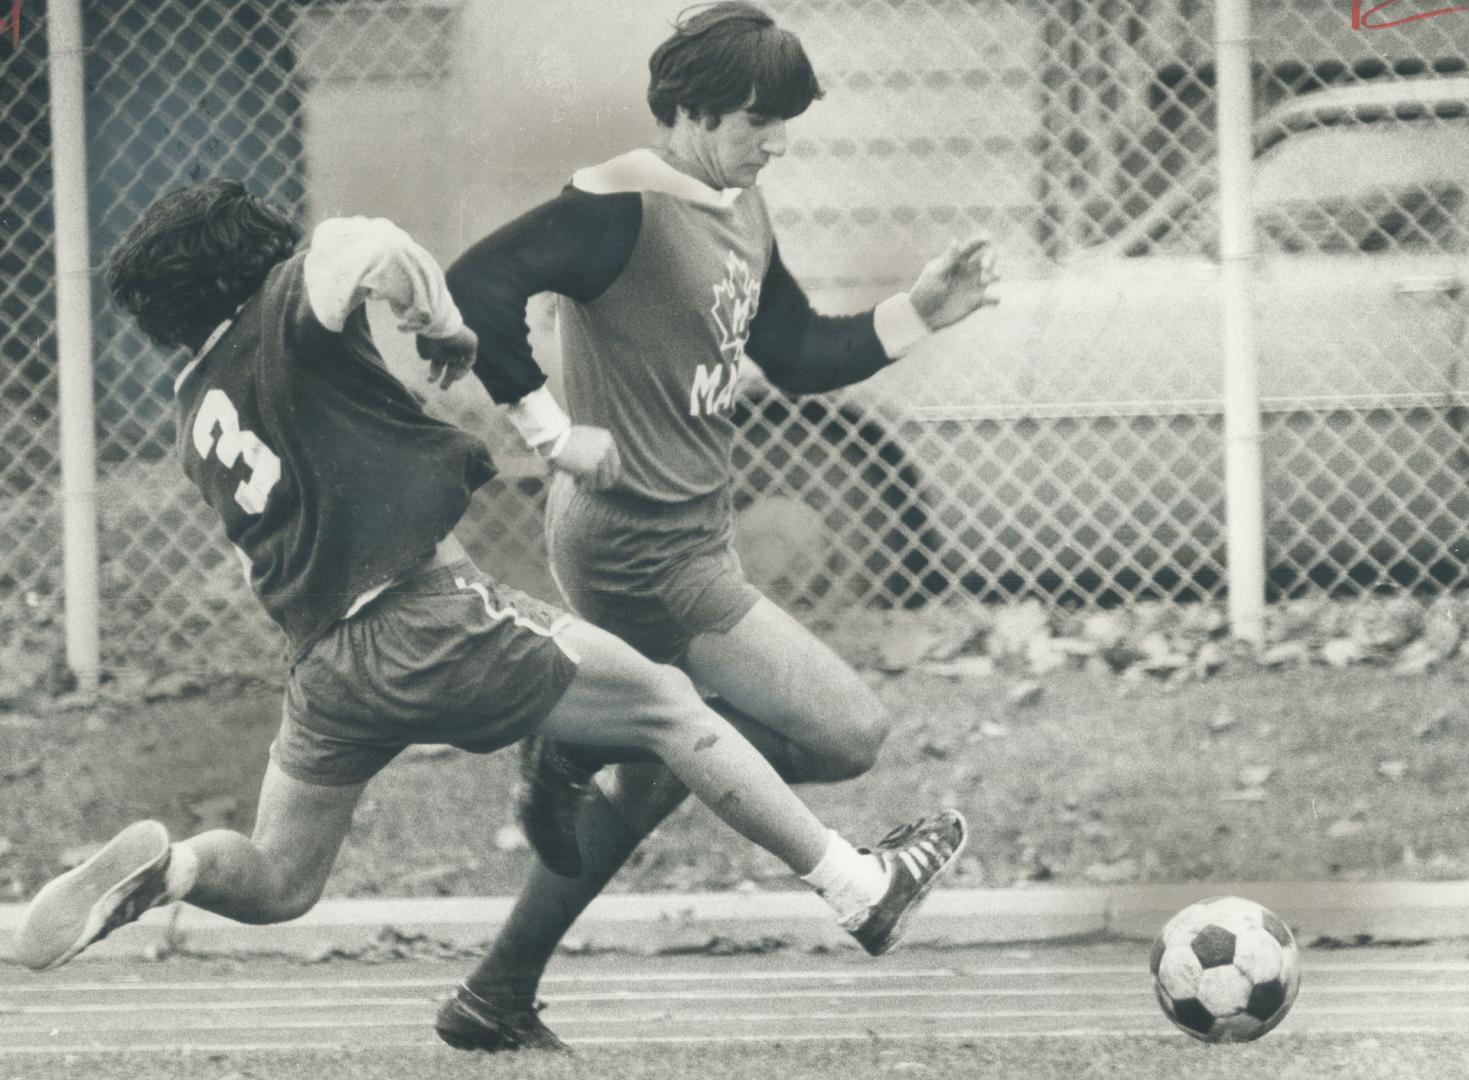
(1301,773)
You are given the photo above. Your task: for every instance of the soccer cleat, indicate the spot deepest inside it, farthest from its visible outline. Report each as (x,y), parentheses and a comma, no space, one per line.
(84,905)
(467,1021)
(551,793)
(915,856)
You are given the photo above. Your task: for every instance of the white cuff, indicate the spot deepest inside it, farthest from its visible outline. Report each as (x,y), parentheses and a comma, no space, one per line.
(899,326)
(550,451)
(539,420)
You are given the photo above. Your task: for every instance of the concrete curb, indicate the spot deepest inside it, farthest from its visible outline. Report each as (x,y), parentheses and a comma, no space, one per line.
(663,922)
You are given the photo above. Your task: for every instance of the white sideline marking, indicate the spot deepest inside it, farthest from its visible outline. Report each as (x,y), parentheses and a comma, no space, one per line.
(813,975)
(633,996)
(447,984)
(723,1018)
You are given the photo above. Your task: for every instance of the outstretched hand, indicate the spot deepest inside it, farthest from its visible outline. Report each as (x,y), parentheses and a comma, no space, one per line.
(450,358)
(955,283)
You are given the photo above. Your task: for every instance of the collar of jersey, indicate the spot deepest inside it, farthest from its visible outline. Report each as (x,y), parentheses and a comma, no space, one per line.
(643,170)
(209,343)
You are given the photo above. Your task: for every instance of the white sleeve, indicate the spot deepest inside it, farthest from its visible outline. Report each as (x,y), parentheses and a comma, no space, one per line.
(356,259)
(898,325)
(541,422)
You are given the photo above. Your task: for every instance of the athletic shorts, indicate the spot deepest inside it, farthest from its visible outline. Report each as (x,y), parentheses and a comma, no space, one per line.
(448,655)
(653,574)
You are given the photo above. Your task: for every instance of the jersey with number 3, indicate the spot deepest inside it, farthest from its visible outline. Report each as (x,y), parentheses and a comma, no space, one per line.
(329,477)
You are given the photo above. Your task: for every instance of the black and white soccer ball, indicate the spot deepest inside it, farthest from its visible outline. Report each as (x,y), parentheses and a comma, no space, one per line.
(1226,969)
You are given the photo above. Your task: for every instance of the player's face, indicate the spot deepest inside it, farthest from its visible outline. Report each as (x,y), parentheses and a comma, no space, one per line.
(742,145)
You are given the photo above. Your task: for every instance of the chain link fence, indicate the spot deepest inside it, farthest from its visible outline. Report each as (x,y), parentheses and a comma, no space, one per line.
(1067,444)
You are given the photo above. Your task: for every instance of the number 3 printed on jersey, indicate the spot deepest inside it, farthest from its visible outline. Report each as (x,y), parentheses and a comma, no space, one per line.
(217,430)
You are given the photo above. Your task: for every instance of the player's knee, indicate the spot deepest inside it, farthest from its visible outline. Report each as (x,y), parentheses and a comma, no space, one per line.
(298,901)
(672,707)
(868,728)
(291,900)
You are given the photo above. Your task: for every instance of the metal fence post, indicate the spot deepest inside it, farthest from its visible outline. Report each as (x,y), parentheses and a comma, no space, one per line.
(1244,501)
(74,339)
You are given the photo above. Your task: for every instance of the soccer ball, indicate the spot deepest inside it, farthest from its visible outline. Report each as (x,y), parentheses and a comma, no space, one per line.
(1225,969)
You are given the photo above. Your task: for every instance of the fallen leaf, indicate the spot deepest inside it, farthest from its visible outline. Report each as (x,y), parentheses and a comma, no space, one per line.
(1223,719)
(1433,726)
(903,647)
(1342,652)
(1106,628)
(1255,775)
(22,768)
(1291,652)
(1416,659)
(1025,694)
(1017,626)
(1244,795)
(961,667)
(1211,658)
(174,684)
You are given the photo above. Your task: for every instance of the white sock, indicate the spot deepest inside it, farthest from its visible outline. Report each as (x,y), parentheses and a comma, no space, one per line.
(183,871)
(849,880)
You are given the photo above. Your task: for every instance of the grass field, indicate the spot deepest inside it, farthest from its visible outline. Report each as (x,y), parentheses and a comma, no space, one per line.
(1300,774)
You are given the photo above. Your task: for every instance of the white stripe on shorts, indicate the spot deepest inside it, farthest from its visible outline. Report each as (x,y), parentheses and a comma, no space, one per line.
(508,612)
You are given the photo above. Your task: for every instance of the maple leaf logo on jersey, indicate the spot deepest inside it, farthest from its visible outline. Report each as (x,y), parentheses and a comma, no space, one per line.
(735,301)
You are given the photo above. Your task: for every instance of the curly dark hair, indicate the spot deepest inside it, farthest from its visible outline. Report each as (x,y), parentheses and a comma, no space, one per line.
(194,257)
(725,57)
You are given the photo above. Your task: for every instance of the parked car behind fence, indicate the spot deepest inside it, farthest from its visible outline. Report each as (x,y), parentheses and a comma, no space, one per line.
(1069,443)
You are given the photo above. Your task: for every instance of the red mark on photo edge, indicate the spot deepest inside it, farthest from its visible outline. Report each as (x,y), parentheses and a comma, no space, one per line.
(11,22)
(1360,17)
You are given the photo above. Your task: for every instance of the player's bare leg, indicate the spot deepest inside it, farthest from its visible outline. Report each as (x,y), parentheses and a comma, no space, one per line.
(279,872)
(808,713)
(620,699)
(771,668)
(831,707)
(275,875)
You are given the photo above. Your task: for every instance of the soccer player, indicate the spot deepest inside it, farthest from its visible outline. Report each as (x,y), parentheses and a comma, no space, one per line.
(668,276)
(340,494)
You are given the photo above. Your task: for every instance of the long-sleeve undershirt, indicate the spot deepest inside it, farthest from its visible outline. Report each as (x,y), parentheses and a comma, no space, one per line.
(665,287)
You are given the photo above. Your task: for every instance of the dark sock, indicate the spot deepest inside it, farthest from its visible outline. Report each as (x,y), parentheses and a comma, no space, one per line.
(549,904)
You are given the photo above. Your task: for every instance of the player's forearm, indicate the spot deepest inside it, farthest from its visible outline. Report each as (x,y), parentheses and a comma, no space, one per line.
(353,260)
(803,352)
(575,245)
(492,297)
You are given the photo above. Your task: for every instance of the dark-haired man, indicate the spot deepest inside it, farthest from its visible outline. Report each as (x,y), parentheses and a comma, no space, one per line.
(341,495)
(668,276)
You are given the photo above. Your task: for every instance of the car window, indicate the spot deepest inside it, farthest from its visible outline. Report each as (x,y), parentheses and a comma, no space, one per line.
(1333,190)
(1420,220)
